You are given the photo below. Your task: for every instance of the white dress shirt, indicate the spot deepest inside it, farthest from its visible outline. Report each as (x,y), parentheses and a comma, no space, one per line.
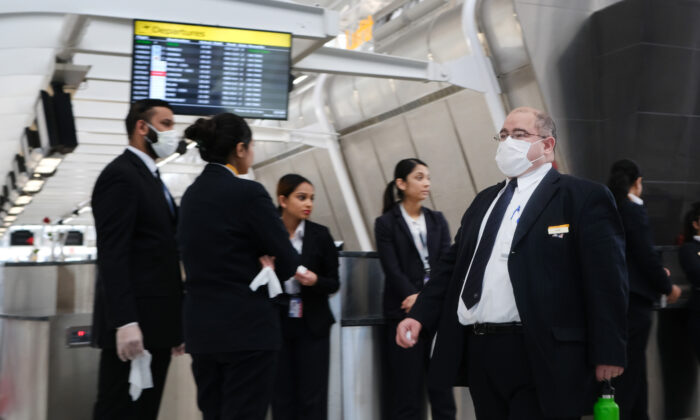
(497,303)
(292,285)
(419,232)
(636,200)
(147,160)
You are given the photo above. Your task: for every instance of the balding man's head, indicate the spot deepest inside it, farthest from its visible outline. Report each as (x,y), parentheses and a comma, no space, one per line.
(543,122)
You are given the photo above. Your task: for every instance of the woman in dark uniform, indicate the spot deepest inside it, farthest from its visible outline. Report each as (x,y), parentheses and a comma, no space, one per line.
(648,279)
(227,224)
(410,239)
(689,255)
(306,324)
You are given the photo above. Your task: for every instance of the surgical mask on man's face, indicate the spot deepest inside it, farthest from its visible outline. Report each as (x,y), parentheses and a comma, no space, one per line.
(511,156)
(166,142)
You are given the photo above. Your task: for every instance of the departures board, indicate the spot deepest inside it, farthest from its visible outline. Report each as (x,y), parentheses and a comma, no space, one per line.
(205,70)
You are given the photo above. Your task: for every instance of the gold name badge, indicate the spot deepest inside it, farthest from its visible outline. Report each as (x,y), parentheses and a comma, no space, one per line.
(558,230)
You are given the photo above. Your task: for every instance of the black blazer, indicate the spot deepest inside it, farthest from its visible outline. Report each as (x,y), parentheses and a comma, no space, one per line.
(402,264)
(226,224)
(689,256)
(318,254)
(571,292)
(647,277)
(138,267)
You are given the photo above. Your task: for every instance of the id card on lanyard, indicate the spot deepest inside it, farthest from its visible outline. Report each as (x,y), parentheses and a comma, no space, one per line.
(423,251)
(296,307)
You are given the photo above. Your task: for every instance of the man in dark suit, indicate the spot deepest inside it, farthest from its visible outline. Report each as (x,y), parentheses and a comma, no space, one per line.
(138,295)
(534,290)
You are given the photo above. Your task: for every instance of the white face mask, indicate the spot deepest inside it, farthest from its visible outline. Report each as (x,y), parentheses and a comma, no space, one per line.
(511,156)
(166,143)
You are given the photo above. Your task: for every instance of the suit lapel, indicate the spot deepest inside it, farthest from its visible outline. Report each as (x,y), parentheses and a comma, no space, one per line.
(148,175)
(307,240)
(536,204)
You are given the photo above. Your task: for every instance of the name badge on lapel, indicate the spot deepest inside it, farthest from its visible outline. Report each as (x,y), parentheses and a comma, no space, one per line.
(558,231)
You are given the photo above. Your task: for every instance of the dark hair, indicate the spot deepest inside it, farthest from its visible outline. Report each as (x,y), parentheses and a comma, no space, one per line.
(693,215)
(401,171)
(142,110)
(288,184)
(623,174)
(218,136)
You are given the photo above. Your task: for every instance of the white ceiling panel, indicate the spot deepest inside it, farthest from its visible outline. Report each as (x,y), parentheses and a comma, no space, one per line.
(97,125)
(108,35)
(27,61)
(103,91)
(23,84)
(16,104)
(27,25)
(105,66)
(101,138)
(100,109)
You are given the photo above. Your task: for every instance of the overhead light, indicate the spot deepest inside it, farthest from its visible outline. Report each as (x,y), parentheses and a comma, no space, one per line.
(33,186)
(85,210)
(10,218)
(67,220)
(7,224)
(47,166)
(23,200)
(300,79)
(15,210)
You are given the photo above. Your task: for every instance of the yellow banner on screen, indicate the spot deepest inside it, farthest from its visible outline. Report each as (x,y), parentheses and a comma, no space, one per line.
(211,33)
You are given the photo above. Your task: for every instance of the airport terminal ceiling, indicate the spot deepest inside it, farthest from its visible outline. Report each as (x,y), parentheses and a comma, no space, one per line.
(376,120)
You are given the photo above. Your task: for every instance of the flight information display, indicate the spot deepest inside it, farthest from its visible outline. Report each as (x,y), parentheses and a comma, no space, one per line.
(205,70)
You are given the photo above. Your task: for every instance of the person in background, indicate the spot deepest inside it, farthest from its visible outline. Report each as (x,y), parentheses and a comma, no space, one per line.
(648,279)
(410,240)
(228,227)
(138,295)
(530,301)
(689,256)
(301,390)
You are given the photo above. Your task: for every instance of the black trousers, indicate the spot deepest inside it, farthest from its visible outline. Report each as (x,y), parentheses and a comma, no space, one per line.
(631,386)
(694,330)
(301,387)
(500,378)
(113,399)
(407,372)
(235,385)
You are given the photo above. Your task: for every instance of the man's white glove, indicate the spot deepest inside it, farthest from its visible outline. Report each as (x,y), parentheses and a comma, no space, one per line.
(129,342)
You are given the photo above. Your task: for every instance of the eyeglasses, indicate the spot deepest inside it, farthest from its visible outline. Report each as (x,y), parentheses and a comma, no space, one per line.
(516,134)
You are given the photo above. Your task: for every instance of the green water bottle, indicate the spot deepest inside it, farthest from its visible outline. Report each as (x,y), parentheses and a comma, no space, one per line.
(606,408)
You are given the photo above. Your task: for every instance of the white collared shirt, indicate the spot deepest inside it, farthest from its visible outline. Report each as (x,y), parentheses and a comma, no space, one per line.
(292,286)
(147,160)
(419,232)
(636,200)
(497,303)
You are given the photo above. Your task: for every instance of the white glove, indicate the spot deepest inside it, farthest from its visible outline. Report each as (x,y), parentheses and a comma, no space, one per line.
(129,342)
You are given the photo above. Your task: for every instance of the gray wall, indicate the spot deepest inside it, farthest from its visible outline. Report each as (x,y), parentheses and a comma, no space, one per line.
(452,135)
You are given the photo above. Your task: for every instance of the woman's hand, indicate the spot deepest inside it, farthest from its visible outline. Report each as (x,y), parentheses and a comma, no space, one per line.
(308,278)
(267,261)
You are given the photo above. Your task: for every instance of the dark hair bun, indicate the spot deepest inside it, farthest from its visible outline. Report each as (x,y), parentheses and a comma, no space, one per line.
(203,132)
(218,136)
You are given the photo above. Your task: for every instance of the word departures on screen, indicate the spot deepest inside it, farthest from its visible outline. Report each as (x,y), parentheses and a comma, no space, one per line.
(205,70)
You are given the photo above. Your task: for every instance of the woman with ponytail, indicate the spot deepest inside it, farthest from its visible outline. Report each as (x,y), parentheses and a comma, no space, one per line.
(228,230)
(648,279)
(301,388)
(410,240)
(689,256)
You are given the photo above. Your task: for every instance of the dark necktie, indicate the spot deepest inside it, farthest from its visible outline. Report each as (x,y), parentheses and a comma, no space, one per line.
(475,279)
(168,197)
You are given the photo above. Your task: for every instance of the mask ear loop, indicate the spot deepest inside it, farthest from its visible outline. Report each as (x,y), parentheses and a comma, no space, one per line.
(151,129)
(541,157)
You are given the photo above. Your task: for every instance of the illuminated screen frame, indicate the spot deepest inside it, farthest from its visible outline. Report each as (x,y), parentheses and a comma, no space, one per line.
(220,32)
